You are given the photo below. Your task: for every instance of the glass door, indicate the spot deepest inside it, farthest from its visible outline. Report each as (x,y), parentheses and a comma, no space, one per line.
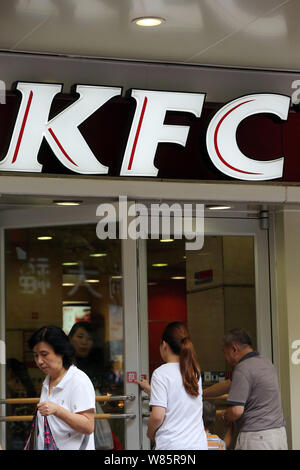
(128,290)
(58,272)
(223,285)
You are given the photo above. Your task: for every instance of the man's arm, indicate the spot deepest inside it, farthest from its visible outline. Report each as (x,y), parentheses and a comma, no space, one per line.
(232,413)
(216,390)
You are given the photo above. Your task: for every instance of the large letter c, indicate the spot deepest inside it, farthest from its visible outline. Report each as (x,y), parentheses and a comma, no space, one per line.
(221,137)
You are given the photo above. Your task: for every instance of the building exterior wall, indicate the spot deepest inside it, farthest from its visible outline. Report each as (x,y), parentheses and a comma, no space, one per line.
(221,85)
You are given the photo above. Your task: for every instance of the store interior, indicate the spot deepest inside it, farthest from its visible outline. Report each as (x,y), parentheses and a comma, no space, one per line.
(64,274)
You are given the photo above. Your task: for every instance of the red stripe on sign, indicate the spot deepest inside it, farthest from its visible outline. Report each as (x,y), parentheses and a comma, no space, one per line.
(137,132)
(61,147)
(22,127)
(216,141)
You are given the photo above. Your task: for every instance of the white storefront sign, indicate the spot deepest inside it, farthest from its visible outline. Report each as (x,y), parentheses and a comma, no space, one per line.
(147,130)
(221,137)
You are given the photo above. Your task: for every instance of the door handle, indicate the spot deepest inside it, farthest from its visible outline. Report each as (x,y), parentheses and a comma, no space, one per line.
(35,400)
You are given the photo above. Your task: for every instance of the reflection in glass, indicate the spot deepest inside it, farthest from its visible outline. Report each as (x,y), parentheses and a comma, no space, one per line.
(60,281)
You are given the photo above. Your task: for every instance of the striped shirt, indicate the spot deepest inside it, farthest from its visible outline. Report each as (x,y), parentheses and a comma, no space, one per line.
(214,442)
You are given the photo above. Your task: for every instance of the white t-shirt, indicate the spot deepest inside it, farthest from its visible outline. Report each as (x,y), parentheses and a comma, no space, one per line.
(182,428)
(75,392)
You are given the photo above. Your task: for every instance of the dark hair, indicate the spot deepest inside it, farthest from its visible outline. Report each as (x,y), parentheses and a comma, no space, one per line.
(176,335)
(238,335)
(20,371)
(57,338)
(209,413)
(82,324)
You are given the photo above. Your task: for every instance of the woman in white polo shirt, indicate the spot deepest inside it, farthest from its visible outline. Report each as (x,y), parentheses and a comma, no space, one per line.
(176,422)
(67,396)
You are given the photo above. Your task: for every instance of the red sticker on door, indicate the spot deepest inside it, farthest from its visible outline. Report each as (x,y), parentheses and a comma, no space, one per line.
(131,376)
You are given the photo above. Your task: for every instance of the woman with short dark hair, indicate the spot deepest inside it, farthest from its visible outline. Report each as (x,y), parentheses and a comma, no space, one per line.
(67,396)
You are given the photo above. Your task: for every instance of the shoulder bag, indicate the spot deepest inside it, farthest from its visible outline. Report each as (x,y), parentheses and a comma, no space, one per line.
(49,442)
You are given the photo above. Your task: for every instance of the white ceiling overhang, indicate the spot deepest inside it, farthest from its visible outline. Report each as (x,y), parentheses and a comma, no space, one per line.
(232,33)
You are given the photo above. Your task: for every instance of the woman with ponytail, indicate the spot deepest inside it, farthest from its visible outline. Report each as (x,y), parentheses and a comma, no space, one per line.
(175,422)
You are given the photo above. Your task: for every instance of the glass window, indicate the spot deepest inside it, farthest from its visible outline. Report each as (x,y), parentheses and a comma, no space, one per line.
(61,276)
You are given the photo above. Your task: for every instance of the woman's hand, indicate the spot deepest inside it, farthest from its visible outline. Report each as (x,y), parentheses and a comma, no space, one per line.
(82,422)
(47,408)
(145,386)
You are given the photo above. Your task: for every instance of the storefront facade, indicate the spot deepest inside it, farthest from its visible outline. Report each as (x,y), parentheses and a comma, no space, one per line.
(244,276)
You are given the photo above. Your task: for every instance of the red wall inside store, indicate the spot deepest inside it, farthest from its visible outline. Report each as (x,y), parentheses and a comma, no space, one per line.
(166,303)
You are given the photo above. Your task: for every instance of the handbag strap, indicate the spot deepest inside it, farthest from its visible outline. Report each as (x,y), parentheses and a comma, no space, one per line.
(29,444)
(49,442)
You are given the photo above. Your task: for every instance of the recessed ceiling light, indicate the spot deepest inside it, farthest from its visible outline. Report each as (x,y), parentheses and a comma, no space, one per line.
(159,265)
(148,21)
(116,277)
(92,281)
(44,237)
(67,203)
(166,240)
(70,263)
(178,277)
(68,284)
(218,208)
(98,255)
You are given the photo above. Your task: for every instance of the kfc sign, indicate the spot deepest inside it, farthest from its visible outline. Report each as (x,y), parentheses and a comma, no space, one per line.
(147,130)
(221,137)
